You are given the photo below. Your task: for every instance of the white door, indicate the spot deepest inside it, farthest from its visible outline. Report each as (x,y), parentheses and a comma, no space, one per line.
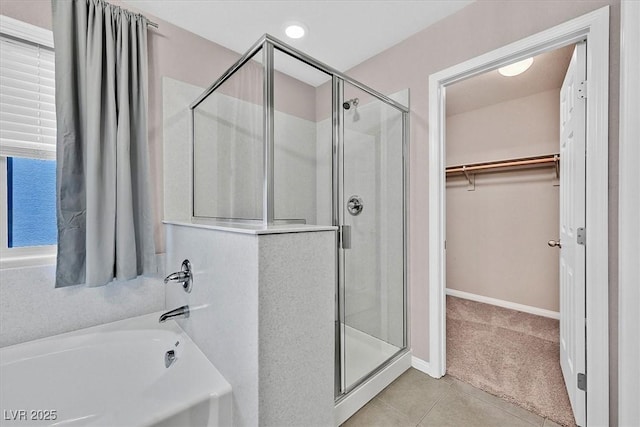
(572,219)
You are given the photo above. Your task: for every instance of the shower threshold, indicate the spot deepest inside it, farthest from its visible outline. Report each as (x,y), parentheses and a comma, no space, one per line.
(364,354)
(375,373)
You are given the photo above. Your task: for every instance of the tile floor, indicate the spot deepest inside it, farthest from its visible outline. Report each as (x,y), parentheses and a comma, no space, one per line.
(416,399)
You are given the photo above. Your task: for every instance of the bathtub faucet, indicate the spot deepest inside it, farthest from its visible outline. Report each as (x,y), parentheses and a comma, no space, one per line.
(184,276)
(181,312)
(178,276)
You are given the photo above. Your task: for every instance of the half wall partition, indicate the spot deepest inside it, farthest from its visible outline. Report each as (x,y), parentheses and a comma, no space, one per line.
(282,138)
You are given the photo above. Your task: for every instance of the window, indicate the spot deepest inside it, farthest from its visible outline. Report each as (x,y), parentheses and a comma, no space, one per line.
(27,145)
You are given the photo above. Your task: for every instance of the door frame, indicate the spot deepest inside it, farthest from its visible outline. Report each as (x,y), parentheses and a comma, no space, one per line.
(593,27)
(629,211)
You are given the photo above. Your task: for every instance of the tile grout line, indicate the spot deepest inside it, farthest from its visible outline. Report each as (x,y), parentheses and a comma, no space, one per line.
(445,394)
(389,406)
(502,409)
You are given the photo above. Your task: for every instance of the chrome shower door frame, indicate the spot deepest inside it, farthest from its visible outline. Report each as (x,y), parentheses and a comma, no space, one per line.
(339,199)
(268,44)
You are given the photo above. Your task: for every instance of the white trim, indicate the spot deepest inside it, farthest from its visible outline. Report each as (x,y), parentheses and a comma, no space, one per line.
(4,223)
(42,255)
(437,229)
(505,304)
(30,150)
(359,397)
(33,255)
(25,31)
(421,365)
(629,212)
(594,27)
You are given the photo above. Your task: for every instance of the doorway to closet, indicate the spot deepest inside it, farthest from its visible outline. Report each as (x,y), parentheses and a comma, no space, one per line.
(593,28)
(510,156)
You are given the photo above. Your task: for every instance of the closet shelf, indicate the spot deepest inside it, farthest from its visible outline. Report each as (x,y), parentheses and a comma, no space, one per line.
(539,161)
(471,169)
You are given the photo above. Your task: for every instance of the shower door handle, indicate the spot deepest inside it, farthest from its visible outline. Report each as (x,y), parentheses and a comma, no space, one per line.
(345,236)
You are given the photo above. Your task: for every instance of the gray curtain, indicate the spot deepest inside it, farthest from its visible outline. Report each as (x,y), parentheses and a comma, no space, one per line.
(105,223)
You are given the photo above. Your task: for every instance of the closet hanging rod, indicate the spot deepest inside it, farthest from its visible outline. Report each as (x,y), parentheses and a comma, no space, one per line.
(551,159)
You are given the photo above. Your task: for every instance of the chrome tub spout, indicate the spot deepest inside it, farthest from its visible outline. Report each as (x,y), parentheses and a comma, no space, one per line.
(180,312)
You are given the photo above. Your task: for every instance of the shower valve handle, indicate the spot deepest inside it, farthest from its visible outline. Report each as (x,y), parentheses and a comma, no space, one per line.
(178,276)
(184,276)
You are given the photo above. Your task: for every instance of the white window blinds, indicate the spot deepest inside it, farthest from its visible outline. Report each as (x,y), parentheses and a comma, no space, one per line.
(27,99)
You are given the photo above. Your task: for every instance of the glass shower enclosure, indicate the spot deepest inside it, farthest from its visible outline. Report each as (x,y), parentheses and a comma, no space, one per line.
(282,138)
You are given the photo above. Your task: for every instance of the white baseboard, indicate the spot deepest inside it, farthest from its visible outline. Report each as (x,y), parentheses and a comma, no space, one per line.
(422,366)
(506,304)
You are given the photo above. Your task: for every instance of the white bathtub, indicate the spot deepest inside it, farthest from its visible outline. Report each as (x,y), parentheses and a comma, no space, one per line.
(112,375)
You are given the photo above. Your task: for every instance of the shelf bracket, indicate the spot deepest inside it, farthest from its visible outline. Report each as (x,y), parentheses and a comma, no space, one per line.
(471,178)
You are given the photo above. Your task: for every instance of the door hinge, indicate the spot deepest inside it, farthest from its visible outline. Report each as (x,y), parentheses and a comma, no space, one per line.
(582,90)
(582,382)
(345,236)
(582,236)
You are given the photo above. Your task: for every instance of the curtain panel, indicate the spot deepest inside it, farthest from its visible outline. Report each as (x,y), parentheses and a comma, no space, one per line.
(105,222)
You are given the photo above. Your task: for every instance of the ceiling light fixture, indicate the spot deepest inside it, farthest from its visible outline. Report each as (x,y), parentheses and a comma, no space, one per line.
(516,68)
(295,30)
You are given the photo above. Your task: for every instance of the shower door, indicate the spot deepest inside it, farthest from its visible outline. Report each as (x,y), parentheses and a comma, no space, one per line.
(371,213)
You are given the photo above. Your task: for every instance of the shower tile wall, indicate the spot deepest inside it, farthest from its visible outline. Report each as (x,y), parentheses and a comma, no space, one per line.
(176,98)
(324,171)
(295,168)
(363,279)
(295,174)
(303,190)
(369,298)
(228,160)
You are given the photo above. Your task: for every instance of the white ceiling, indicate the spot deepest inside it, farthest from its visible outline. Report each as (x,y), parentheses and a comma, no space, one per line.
(547,72)
(341,34)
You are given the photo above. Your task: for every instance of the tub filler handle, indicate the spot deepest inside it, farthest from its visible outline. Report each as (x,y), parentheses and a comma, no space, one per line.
(184,276)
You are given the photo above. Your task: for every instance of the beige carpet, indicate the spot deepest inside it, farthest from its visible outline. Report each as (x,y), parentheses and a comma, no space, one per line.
(509,354)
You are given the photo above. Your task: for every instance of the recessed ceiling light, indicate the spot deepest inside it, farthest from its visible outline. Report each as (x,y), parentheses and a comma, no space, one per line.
(295,30)
(516,68)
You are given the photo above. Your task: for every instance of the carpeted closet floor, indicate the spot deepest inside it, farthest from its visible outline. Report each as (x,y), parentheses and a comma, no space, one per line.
(509,354)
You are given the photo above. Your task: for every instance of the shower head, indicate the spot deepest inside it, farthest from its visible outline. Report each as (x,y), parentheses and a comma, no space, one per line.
(352,102)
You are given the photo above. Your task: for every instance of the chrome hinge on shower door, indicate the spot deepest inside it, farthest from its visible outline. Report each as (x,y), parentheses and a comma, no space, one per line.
(344,234)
